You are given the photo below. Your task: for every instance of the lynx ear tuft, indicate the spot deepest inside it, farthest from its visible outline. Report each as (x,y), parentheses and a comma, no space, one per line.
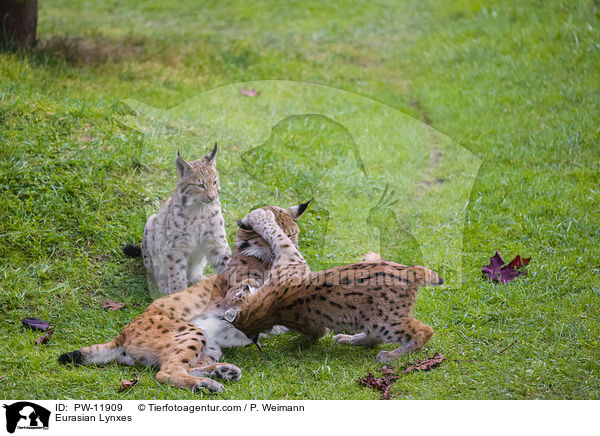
(297,211)
(211,156)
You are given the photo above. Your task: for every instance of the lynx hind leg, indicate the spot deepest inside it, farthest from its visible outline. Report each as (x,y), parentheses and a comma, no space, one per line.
(313,332)
(197,375)
(413,336)
(187,363)
(176,368)
(177,375)
(148,254)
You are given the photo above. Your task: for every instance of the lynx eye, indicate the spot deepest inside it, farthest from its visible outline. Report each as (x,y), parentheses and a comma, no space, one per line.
(215,183)
(202,186)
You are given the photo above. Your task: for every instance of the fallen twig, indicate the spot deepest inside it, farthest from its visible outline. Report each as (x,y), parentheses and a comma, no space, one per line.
(510,346)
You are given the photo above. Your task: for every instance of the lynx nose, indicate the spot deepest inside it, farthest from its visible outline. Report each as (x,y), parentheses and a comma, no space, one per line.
(210,198)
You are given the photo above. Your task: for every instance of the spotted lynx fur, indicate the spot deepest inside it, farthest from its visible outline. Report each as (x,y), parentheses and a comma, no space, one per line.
(372,299)
(188,231)
(184,333)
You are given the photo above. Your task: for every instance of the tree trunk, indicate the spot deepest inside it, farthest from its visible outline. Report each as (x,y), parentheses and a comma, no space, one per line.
(18,22)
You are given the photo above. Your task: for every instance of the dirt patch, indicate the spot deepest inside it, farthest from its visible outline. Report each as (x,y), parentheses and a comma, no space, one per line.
(85,51)
(432,163)
(417,105)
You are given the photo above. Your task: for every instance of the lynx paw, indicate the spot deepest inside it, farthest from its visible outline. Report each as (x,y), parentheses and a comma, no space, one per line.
(209,385)
(248,222)
(258,217)
(383,357)
(228,372)
(342,339)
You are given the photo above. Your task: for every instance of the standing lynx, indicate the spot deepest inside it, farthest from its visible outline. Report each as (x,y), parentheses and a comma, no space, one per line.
(188,231)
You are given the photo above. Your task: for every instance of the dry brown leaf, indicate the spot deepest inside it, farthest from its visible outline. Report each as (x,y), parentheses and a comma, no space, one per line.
(382,384)
(425,365)
(128,384)
(112,305)
(44,339)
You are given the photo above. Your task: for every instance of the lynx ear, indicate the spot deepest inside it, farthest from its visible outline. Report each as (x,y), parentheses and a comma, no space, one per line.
(182,166)
(211,157)
(297,211)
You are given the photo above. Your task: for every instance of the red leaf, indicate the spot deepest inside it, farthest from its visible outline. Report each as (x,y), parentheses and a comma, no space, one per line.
(382,384)
(128,384)
(492,271)
(249,92)
(112,305)
(519,262)
(36,324)
(45,338)
(387,370)
(425,365)
(504,274)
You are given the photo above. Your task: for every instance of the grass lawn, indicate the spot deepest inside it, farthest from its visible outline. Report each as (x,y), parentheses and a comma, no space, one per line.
(513,87)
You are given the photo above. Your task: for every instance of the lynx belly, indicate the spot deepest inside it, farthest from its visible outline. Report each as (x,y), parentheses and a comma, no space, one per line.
(219,332)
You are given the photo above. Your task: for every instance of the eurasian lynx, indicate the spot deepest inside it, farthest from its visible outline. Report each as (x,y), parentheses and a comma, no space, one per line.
(188,231)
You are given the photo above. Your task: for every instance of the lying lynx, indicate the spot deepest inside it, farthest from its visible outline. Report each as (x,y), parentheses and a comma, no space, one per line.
(184,333)
(188,231)
(373,298)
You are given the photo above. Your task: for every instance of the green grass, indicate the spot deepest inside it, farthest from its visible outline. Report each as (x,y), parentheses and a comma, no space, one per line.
(515,83)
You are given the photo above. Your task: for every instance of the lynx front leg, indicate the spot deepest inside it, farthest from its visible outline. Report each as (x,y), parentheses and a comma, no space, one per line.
(358,339)
(196,272)
(288,260)
(176,274)
(387,356)
(219,255)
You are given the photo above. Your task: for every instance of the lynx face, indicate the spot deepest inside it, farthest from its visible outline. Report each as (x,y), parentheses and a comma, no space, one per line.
(198,181)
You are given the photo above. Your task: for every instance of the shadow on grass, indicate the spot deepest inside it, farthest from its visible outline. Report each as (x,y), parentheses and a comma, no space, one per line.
(79,51)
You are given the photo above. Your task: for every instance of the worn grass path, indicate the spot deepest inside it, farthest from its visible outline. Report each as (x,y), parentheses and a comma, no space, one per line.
(515,83)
